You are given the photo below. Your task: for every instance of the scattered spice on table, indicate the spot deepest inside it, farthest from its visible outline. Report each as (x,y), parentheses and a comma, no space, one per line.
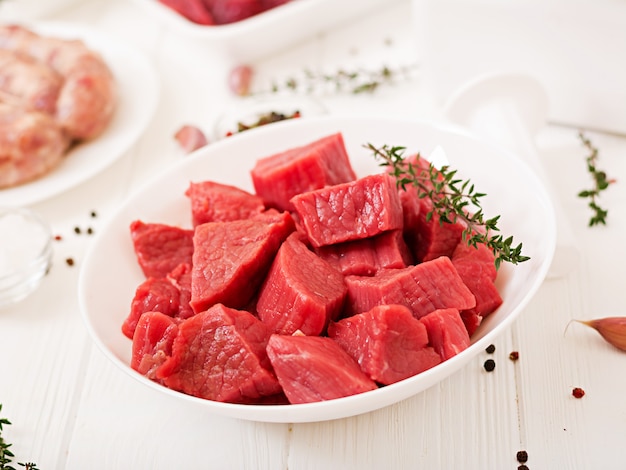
(69,261)
(89,231)
(489,365)
(522,456)
(58,238)
(514,356)
(93,214)
(578,392)
(490,349)
(77,230)
(522,467)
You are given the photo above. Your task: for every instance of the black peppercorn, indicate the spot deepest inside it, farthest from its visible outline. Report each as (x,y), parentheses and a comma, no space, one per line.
(489,365)
(490,349)
(522,456)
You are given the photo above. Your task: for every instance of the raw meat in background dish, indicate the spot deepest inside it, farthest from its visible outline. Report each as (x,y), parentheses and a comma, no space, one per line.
(301,292)
(422,288)
(321,163)
(350,211)
(388,343)
(31,144)
(368,256)
(160,248)
(152,343)
(315,368)
(446,332)
(231,259)
(220,354)
(217,202)
(194,10)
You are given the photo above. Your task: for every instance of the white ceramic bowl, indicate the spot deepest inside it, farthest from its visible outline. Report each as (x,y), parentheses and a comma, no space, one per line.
(110,272)
(267,32)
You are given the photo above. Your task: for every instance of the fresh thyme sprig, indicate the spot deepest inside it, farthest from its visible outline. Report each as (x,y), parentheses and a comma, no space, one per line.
(452,198)
(600,183)
(357,81)
(6,456)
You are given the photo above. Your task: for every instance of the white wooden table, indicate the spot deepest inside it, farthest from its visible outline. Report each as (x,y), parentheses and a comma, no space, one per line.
(72,409)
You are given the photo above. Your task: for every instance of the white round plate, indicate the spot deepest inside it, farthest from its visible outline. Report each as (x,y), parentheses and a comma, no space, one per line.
(137,99)
(110,272)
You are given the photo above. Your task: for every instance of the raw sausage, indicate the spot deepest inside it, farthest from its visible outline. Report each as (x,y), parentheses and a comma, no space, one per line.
(31,144)
(28,83)
(87,98)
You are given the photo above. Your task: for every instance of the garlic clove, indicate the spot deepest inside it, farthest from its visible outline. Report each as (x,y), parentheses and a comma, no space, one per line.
(612,329)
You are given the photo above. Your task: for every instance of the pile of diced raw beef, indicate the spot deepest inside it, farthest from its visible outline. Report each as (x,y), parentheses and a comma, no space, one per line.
(319,285)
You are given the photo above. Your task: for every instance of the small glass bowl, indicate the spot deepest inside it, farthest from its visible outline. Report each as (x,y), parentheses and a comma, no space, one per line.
(25,253)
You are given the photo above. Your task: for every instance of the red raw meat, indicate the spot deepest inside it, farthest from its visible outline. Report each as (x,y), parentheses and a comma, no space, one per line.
(350,211)
(422,288)
(220,355)
(446,332)
(160,248)
(231,259)
(388,342)
(152,343)
(367,256)
(180,277)
(315,368)
(321,163)
(193,10)
(476,266)
(301,292)
(153,295)
(216,202)
(231,11)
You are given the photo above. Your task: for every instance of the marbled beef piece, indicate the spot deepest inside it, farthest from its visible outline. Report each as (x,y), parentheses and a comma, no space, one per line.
(388,342)
(152,295)
(216,202)
(231,259)
(366,257)
(315,368)
(422,288)
(321,163)
(446,332)
(301,291)
(350,211)
(152,343)
(220,354)
(476,266)
(160,248)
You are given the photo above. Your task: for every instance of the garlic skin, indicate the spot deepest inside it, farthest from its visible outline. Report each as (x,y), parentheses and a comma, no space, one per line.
(612,329)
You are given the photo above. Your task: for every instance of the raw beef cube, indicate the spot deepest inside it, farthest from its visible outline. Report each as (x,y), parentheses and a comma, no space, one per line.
(476,266)
(350,211)
(480,257)
(422,288)
(160,247)
(428,237)
(446,332)
(152,295)
(220,355)
(180,277)
(321,163)
(315,368)
(231,259)
(388,342)
(433,238)
(216,202)
(367,256)
(301,292)
(152,343)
